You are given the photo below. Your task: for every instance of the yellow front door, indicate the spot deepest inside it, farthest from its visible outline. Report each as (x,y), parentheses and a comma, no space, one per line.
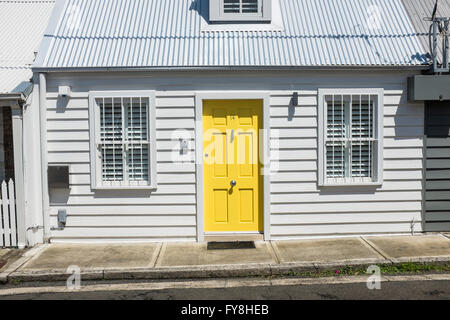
(231,166)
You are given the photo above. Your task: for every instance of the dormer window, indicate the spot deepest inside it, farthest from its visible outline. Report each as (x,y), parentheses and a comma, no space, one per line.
(240,10)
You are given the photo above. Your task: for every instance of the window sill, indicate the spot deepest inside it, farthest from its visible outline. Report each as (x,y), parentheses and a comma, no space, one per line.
(351,184)
(125,188)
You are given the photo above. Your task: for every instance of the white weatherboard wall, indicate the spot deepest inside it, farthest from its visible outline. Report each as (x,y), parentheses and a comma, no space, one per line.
(298,207)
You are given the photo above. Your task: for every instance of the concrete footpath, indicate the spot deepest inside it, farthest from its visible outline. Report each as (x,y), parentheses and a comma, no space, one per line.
(50,262)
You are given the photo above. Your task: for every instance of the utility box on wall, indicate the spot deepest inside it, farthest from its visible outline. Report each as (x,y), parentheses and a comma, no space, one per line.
(429,88)
(58,177)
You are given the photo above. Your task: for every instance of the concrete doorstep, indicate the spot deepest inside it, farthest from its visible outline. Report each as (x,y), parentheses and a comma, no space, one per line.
(56,262)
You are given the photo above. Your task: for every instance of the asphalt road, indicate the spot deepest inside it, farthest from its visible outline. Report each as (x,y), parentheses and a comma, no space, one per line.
(416,289)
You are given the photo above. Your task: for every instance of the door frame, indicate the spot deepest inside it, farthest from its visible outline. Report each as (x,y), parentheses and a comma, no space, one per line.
(231,95)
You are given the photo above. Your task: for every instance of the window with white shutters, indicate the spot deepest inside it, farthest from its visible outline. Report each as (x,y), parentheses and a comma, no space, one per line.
(350,139)
(240,10)
(240,6)
(123,128)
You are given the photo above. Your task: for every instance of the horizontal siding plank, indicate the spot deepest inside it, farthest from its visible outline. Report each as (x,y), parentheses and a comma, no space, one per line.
(403,143)
(291,111)
(394,99)
(438,142)
(171,112)
(407,153)
(403,131)
(347,197)
(306,122)
(282,166)
(437,195)
(73,103)
(303,100)
(438,185)
(124,232)
(403,175)
(122,209)
(131,199)
(175,134)
(438,216)
(437,227)
(68,146)
(56,114)
(339,218)
(286,187)
(75,135)
(433,153)
(437,205)
(404,109)
(347,207)
(438,164)
(162,189)
(342,229)
(175,123)
(295,143)
(175,102)
(293,176)
(293,133)
(68,124)
(68,157)
(303,154)
(438,174)
(391,121)
(409,164)
(127,220)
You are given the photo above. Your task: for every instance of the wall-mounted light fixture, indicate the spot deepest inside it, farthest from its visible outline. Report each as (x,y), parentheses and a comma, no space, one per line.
(64,92)
(184,146)
(295,99)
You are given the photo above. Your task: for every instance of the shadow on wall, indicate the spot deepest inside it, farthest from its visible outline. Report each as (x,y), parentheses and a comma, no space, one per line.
(61,105)
(408,120)
(202,7)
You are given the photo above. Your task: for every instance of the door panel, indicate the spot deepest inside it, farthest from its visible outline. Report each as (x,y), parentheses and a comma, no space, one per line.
(220,206)
(246,209)
(230,153)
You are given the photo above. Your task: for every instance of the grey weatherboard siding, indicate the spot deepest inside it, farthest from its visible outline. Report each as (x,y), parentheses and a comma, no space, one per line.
(437,194)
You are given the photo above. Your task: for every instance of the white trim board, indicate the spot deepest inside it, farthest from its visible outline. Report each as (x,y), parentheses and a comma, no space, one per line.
(231,95)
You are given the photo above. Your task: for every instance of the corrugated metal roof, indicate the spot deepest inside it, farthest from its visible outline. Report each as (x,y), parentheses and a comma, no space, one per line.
(155,33)
(418,11)
(22,24)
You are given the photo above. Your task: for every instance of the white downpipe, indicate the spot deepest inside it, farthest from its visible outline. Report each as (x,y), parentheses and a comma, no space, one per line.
(43,138)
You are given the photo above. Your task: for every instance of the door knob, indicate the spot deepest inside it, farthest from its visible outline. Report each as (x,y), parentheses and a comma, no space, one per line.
(233,183)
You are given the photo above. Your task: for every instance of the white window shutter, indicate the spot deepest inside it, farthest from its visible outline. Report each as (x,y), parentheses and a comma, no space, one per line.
(137,138)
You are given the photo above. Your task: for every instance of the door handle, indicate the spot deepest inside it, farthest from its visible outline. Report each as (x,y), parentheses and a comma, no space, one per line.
(232,135)
(233,183)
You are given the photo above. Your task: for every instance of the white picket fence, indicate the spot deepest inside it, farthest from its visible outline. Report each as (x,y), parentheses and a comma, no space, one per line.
(8,226)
